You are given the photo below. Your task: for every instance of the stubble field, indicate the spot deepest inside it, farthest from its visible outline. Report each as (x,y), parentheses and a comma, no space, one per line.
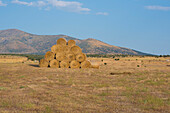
(131,85)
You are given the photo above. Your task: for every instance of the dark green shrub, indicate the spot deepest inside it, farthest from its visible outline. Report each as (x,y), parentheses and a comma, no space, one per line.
(117,59)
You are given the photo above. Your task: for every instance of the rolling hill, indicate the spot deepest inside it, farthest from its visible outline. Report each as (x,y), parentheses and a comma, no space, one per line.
(20,42)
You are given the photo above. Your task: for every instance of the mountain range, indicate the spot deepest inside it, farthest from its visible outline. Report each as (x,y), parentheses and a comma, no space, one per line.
(19,42)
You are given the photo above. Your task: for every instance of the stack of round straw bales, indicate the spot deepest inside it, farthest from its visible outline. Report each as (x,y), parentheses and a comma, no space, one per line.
(65,55)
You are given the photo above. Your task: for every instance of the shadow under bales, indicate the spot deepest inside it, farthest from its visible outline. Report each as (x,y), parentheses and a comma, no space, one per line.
(34,65)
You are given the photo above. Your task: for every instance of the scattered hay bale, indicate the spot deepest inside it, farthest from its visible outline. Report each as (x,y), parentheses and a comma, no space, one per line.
(85,64)
(81,57)
(60,56)
(95,65)
(49,56)
(64,64)
(74,64)
(76,50)
(43,63)
(61,41)
(54,63)
(71,43)
(70,57)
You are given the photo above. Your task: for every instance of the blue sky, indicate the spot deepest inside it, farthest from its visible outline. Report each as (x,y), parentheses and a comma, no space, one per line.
(142,25)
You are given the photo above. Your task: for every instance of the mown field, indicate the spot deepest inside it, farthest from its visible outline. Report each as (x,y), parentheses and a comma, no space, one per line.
(130,85)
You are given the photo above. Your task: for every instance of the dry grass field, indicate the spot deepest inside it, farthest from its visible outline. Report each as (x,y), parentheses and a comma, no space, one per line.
(12,59)
(130,85)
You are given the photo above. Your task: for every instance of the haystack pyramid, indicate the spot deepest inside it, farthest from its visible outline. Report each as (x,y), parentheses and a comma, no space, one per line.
(65,55)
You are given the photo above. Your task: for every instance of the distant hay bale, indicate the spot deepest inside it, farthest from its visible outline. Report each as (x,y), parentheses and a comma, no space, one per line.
(81,57)
(74,64)
(49,56)
(60,56)
(54,63)
(66,49)
(95,65)
(64,64)
(71,43)
(76,50)
(54,48)
(70,56)
(43,63)
(61,41)
(85,64)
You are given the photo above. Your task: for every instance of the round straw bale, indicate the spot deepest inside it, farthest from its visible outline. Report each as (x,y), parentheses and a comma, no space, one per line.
(71,43)
(76,50)
(74,64)
(59,49)
(54,63)
(64,64)
(61,41)
(81,57)
(66,49)
(85,64)
(54,48)
(95,65)
(49,55)
(60,56)
(70,56)
(43,63)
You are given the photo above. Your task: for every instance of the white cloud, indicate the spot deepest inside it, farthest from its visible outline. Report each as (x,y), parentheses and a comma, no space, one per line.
(59,4)
(22,3)
(68,5)
(2,4)
(40,3)
(102,13)
(158,8)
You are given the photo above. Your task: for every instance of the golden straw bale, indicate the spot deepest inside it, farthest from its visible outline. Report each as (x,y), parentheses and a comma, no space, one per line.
(81,57)
(76,50)
(70,57)
(66,49)
(43,63)
(49,55)
(61,41)
(54,63)
(85,64)
(60,56)
(54,48)
(64,64)
(95,65)
(74,64)
(71,43)
(59,49)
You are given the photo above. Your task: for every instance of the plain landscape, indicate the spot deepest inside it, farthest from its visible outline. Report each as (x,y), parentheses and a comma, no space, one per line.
(122,84)
(84,56)
(127,81)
